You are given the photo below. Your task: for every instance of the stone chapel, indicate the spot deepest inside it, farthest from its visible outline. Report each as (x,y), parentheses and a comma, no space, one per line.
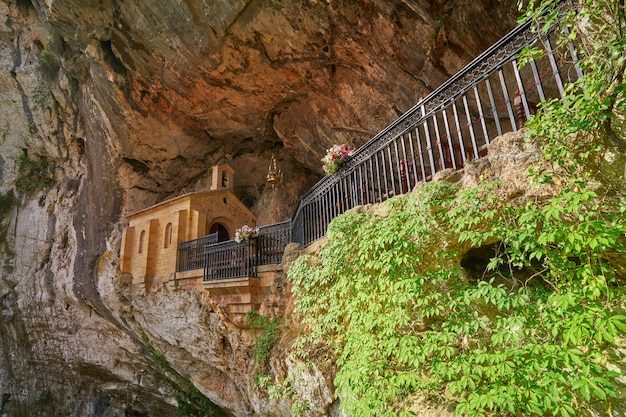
(150,242)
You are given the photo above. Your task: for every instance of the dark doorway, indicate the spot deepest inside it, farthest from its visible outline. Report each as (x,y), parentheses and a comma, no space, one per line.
(222,232)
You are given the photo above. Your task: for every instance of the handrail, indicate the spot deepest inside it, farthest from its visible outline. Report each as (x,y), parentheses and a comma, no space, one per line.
(230,259)
(271,242)
(454,124)
(191,252)
(512,43)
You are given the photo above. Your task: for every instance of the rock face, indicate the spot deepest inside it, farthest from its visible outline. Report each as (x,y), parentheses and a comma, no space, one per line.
(118,105)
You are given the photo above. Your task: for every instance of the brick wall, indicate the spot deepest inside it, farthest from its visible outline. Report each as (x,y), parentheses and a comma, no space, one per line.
(150,243)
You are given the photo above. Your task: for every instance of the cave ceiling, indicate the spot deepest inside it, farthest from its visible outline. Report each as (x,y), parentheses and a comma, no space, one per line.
(187,84)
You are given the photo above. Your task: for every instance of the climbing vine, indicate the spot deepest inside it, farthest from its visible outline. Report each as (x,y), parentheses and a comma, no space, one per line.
(595,102)
(268,335)
(532,336)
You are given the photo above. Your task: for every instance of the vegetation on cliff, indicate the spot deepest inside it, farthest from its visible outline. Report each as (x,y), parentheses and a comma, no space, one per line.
(191,402)
(595,102)
(501,304)
(33,174)
(529,331)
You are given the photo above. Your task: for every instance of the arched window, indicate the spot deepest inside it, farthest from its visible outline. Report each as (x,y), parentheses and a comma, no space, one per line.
(224,179)
(142,236)
(168,236)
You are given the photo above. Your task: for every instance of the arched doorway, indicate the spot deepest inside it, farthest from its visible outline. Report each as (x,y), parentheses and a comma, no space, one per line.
(222,232)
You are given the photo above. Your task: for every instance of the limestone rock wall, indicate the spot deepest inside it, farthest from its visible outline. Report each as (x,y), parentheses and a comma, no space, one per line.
(128,103)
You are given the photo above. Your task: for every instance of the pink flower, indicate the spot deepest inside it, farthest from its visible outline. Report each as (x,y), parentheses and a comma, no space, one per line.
(245,233)
(335,158)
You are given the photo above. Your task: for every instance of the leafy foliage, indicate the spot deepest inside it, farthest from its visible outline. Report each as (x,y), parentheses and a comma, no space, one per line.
(33,174)
(594,102)
(268,337)
(536,334)
(49,58)
(284,389)
(402,318)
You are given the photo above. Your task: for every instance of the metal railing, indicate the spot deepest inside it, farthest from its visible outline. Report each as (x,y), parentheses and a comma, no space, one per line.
(271,242)
(230,259)
(451,126)
(191,252)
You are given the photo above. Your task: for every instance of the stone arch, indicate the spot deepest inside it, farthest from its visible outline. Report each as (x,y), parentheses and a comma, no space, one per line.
(222,232)
(223,227)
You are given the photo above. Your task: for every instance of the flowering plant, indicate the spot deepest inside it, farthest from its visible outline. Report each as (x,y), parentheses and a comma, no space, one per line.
(245,232)
(335,158)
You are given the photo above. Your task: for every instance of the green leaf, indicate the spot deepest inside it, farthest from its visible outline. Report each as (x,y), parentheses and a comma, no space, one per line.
(619,321)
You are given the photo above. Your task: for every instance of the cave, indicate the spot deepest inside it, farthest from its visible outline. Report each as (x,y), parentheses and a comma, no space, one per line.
(475,262)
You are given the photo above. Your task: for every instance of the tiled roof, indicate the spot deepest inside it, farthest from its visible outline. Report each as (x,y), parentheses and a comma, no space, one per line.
(169,200)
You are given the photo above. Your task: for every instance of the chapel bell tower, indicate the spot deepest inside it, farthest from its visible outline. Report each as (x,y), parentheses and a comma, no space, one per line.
(222,177)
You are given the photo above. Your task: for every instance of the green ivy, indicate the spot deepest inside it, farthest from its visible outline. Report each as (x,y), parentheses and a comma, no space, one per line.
(595,102)
(535,333)
(390,297)
(268,337)
(283,390)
